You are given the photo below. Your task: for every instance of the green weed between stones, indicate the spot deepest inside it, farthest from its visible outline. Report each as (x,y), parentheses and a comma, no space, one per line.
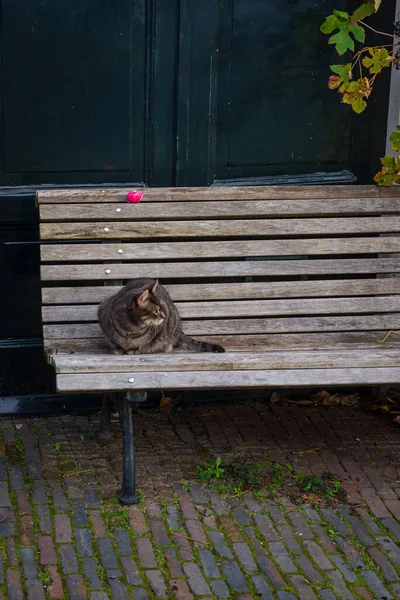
(239,476)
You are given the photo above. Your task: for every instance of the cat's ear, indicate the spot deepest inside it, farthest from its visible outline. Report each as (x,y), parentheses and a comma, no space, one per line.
(153,286)
(142,298)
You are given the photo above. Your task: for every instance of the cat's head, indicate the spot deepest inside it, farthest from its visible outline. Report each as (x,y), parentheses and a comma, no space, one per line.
(147,307)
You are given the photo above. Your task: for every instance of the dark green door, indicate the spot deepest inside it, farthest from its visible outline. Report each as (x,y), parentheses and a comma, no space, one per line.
(162,93)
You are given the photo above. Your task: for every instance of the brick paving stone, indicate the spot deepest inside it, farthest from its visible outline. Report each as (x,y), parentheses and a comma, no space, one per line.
(266,527)
(196,581)
(394,507)
(210,522)
(360,531)
(219,543)
(62,526)
(107,554)
(393,527)
(139,594)
(241,516)
(368,521)
(187,507)
(344,568)
(339,585)
(26,536)
(390,548)
(55,587)
(219,504)
(83,542)
(16,477)
(157,583)
(395,588)
(282,557)
(300,525)
(304,590)
(35,590)
(317,554)
(92,498)
(173,563)
(323,538)
(352,555)
(308,569)
(311,513)
(285,596)
(132,574)
(79,513)
(263,590)
(198,494)
(90,570)
(234,576)
(173,518)
(123,542)
(230,528)
(69,562)
(337,523)
(99,596)
(137,520)
(258,546)
(220,589)
(99,527)
(375,584)
(208,564)
(180,589)
(327,594)
(153,509)
(13,585)
(184,548)
(146,554)
(362,591)
(43,515)
(39,495)
(28,563)
(59,499)
(7,530)
(380,559)
(46,550)
(245,557)
(252,504)
(119,590)
(3,470)
(286,533)
(24,506)
(76,587)
(160,533)
(271,572)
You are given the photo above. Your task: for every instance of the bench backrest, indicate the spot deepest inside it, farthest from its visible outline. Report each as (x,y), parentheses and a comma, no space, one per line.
(254,267)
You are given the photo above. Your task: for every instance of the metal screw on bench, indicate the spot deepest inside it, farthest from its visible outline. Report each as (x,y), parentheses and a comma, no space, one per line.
(128,493)
(107,271)
(106,229)
(117,210)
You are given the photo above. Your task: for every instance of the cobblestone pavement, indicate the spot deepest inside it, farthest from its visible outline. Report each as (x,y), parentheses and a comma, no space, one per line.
(63,534)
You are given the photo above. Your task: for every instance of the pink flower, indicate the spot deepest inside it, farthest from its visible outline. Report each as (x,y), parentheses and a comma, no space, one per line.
(134,196)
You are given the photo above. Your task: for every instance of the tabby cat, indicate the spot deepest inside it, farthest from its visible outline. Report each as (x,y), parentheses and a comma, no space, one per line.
(142,319)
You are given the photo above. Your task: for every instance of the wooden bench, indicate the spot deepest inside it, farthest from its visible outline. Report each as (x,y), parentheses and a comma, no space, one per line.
(295,283)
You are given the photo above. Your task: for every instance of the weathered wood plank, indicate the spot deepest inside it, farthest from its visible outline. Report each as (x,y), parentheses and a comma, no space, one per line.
(247,326)
(226,249)
(84,195)
(235,291)
(253,343)
(242,228)
(229,361)
(250,268)
(243,308)
(232,379)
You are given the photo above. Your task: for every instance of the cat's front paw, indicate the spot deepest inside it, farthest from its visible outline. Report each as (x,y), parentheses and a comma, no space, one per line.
(117,351)
(131,352)
(217,348)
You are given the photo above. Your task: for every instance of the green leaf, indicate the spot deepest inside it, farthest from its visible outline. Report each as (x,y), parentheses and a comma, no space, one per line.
(342,70)
(353,86)
(379,59)
(334,82)
(341,14)
(218,461)
(359,105)
(329,25)
(389,162)
(342,41)
(358,32)
(385,179)
(395,140)
(365,10)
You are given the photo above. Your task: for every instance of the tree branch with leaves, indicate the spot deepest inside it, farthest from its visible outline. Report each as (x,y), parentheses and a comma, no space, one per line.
(355,79)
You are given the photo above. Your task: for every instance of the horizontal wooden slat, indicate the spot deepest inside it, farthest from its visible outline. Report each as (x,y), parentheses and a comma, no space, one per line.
(306,359)
(244,308)
(251,268)
(246,228)
(232,379)
(247,326)
(232,291)
(67,196)
(228,249)
(255,343)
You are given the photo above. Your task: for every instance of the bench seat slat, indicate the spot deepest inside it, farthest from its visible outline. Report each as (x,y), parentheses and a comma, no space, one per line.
(106,363)
(195,194)
(227,249)
(232,291)
(232,228)
(244,308)
(222,379)
(246,326)
(358,340)
(250,268)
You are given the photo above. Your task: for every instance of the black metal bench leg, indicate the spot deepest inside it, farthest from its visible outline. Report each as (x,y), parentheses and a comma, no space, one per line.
(105,433)
(128,493)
